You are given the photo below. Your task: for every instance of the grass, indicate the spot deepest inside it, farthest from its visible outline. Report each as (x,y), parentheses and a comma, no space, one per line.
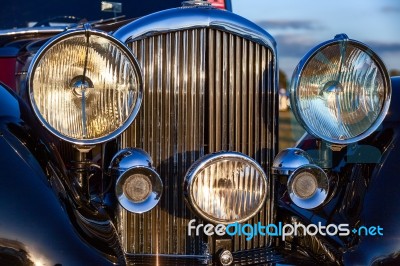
(289,130)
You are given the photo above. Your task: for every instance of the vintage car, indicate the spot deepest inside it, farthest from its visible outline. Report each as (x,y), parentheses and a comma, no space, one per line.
(153,141)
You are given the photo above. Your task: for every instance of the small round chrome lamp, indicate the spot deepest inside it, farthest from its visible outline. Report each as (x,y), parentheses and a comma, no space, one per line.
(138,187)
(308,184)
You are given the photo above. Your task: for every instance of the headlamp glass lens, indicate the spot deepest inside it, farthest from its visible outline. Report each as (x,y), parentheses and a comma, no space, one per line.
(227,189)
(342,92)
(84,87)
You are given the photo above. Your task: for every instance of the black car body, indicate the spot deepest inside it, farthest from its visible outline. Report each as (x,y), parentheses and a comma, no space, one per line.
(133,142)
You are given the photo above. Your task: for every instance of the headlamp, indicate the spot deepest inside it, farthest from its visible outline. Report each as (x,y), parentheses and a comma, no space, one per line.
(85,86)
(340,91)
(226,187)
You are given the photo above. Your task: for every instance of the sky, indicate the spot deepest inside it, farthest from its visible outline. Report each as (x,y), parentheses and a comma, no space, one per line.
(299,25)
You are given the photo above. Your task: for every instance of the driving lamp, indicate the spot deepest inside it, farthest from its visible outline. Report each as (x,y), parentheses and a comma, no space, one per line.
(340,91)
(138,186)
(139,189)
(85,86)
(226,187)
(308,186)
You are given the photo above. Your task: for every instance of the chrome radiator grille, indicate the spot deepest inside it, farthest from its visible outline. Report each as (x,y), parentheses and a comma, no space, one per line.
(204,91)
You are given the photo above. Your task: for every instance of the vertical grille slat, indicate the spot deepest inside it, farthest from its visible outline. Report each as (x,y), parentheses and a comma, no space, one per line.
(231,84)
(210,92)
(224,95)
(243,88)
(217,92)
(262,107)
(175,87)
(205,90)
(238,82)
(169,112)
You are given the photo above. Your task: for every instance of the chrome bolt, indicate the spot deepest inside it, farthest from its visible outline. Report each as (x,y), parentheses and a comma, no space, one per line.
(225,258)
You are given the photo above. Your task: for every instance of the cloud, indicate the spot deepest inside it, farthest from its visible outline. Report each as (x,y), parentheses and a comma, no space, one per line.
(289,24)
(297,45)
(293,45)
(382,47)
(391,9)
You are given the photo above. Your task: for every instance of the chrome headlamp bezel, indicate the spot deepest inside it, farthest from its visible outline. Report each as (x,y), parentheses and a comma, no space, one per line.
(209,160)
(298,74)
(86,31)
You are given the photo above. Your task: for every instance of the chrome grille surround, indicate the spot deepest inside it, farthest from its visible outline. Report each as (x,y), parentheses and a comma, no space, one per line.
(209,85)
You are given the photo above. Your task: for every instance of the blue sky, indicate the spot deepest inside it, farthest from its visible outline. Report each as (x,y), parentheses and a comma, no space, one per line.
(299,25)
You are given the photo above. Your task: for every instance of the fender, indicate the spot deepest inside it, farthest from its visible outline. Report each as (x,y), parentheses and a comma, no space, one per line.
(380,205)
(367,193)
(35,227)
(9,104)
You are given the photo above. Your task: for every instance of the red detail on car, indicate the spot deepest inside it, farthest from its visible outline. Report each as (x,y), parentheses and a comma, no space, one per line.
(218,3)
(7,73)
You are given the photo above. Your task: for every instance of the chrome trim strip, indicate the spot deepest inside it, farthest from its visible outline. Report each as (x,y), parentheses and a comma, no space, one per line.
(190,18)
(34,30)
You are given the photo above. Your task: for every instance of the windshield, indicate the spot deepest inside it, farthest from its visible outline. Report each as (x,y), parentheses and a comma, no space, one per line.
(28,13)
